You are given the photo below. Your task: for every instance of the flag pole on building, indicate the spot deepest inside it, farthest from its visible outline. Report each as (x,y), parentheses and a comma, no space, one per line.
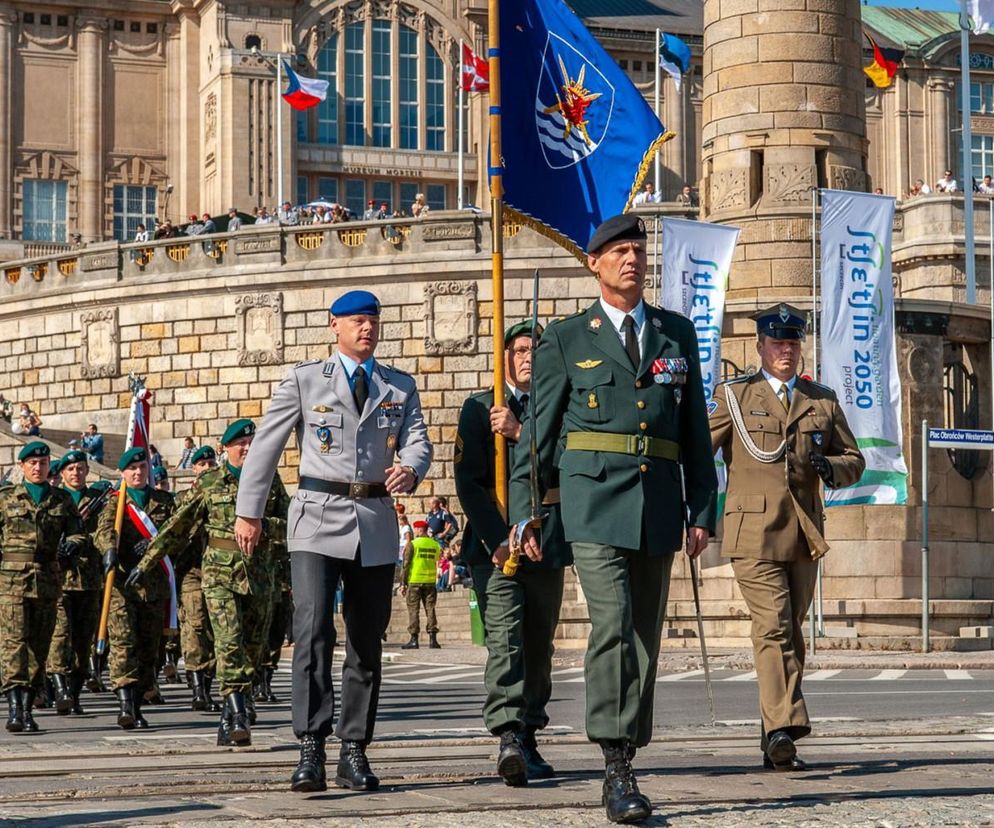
(459,138)
(497,234)
(970,252)
(656,180)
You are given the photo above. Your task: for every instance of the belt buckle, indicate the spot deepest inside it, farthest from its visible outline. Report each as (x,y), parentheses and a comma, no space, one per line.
(641,445)
(358,490)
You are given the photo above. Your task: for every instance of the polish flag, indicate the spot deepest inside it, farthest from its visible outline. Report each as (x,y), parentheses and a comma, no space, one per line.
(475,71)
(303,93)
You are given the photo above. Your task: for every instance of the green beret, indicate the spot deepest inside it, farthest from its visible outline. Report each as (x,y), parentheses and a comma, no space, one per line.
(101,485)
(523,328)
(159,473)
(132,455)
(239,428)
(36,448)
(74,456)
(203,453)
(55,467)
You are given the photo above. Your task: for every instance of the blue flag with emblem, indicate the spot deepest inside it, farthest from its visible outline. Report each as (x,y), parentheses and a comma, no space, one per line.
(578,137)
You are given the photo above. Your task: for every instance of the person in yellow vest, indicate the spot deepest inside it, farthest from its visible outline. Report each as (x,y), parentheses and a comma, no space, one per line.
(420,565)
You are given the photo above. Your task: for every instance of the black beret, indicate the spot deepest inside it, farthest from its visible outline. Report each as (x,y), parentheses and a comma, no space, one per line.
(36,448)
(523,328)
(617,228)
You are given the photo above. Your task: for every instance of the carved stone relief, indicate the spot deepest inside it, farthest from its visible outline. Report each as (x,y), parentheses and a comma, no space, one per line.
(789,182)
(729,189)
(210,118)
(100,344)
(847,178)
(260,328)
(450,317)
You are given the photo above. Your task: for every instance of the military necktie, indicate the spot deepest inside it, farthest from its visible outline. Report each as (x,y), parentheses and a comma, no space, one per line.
(359,390)
(523,402)
(631,341)
(784,396)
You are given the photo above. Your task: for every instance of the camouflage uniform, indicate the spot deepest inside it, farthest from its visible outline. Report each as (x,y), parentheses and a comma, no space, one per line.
(282,610)
(30,579)
(238,591)
(195,633)
(78,614)
(136,612)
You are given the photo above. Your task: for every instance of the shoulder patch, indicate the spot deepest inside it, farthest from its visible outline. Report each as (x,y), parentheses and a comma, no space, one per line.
(712,407)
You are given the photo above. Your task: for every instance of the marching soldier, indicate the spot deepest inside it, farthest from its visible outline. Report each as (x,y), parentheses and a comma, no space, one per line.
(196,635)
(419,576)
(237,587)
(78,614)
(136,610)
(282,612)
(781,435)
(621,383)
(520,613)
(40,534)
(353,416)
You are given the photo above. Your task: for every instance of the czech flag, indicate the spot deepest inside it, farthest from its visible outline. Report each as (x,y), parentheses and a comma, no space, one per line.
(303,93)
(882,70)
(475,71)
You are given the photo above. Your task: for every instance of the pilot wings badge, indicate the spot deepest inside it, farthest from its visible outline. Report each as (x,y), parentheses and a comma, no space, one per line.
(573,105)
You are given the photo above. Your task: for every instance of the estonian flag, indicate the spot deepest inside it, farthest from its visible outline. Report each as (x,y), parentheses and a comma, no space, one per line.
(674,57)
(578,137)
(303,93)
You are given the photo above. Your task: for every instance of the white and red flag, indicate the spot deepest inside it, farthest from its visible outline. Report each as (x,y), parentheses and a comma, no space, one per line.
(475,71)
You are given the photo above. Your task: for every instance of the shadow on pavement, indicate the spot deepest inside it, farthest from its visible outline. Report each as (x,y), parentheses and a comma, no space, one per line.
(117,815)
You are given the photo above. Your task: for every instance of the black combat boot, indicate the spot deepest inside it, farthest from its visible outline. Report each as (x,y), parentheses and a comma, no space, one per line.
(152,696)
(27,702)
(212,706)
(93,681)
(140,721)
(271,697)
(197,685)
(62,697)
(224,729)
(126,715)
(43,697)
(512,766)
(169,672)
(15,715)
(309,776)
(433,641)
(75,688)
(411,645)
(353,768)
(253,717)
(622,798)
(241,734)
(538,768)
(258,686)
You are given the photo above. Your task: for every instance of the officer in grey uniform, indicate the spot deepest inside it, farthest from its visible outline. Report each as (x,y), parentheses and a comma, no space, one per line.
(353,416)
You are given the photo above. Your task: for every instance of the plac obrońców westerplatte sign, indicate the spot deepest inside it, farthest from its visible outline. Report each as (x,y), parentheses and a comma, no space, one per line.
(857,340)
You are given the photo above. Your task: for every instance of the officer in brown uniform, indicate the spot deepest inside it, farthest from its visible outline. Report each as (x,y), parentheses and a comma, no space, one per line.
(781,435)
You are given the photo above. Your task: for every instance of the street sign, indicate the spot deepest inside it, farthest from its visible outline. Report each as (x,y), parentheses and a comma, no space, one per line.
(961,438)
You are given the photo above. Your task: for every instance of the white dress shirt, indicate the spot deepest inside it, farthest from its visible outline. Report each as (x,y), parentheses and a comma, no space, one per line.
(776,384)
(617,317)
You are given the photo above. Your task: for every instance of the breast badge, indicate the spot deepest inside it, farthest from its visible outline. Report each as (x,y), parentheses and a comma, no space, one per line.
(324,439)
(818,439)
(592,400)
(392,442)
(589,363)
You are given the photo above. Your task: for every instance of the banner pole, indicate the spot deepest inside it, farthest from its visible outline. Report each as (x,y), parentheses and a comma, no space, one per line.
(657,262)
(462,104)
(657,168)
(814,284)
(970,253)
(925,641)
(497,236)
(279,127)
(990,257)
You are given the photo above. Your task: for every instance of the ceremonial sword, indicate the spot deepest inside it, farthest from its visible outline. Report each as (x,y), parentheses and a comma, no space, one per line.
(535,520)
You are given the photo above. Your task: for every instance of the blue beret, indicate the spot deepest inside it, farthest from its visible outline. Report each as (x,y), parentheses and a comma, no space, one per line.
(132,455)
(617,228)
(36,448)
(354,303)
(782,321)
(239,428)
(74,456)
(203,453)
(159,473)
(523,328)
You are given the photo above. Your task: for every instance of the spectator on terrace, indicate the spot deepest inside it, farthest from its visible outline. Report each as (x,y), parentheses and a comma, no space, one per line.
(234,222)
(384,211)
(947,184)
(647,196)
(986,187)
(30,423)
(141,234)
(420,206)
(370,213)
(263,217)
(686,197)
(195,227)
(6,409)
(165,231)
(288,215)
(209,226)
(92,442)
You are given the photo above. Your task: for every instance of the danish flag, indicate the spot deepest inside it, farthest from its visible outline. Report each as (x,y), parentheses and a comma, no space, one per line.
(475,71)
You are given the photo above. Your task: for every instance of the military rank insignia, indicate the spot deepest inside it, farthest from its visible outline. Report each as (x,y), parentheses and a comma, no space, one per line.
(392,442)
(324,439)
(457,454)
(589,363)
(592,400)
(595,323)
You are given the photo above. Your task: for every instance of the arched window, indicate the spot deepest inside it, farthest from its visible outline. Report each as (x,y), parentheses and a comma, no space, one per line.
(253,41)
(391,83)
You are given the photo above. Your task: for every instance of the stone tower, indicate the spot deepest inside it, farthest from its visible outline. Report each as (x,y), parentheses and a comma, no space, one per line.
(783,114)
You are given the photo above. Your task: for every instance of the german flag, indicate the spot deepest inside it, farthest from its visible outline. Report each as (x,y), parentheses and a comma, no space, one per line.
(882,70)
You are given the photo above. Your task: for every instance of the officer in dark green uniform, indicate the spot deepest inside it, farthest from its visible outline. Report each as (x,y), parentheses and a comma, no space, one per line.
(621,383)
(520,613)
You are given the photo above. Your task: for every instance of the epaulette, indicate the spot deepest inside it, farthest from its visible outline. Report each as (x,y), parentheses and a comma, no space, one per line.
(736,380)
(394,369)
(559,319)
(817,384)
(308,362)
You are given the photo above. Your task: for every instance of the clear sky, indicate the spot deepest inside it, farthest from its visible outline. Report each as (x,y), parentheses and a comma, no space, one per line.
(929,5)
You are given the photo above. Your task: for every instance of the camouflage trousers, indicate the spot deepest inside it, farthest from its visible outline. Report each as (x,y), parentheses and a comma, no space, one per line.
(76,623)
(241,625)
(282,610)
(26,626)
(135,630)
(195,634)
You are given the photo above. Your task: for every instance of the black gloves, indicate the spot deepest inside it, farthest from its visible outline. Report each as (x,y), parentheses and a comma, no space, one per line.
(134,578)
(67,551)
(139,549)
(110,560)
(821,465)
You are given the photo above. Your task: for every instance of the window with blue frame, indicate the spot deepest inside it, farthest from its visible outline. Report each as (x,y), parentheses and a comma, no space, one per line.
(434,101)
(408,88)
(382,83)
(303,189)
(44,204)
(133,205)
(328,108)
(328,189)
(407,193)
(355,196)
(435,196)
(383,194)
(355,82)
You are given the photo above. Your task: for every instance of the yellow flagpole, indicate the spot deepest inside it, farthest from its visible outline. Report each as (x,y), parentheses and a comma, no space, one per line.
(497,229)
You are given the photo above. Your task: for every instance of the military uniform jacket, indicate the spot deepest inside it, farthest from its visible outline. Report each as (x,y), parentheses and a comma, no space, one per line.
(86,571)
(29,541)
(155,586)
(210,511)
(360,447)
(774,511)
(584,381)
(485,528)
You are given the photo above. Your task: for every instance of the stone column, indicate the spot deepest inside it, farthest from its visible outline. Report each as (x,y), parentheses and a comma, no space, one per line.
(8,19)
(939,91)
(675,113)
(91,46)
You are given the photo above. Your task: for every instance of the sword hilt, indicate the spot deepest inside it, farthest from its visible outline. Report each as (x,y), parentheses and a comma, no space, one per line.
(510,567)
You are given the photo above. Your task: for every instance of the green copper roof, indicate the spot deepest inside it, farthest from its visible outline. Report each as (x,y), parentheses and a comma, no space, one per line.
(616,8)
(908,28)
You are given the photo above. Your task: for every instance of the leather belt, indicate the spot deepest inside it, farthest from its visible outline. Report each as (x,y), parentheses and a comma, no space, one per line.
(223,543)
(355,489)
(551,497)
(634,444)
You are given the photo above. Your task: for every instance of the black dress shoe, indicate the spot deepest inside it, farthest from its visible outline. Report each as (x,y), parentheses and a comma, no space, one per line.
(309,776)
(353,769)
(512,765)
(622,799)
(780,748)
(537,767)
(796,765)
